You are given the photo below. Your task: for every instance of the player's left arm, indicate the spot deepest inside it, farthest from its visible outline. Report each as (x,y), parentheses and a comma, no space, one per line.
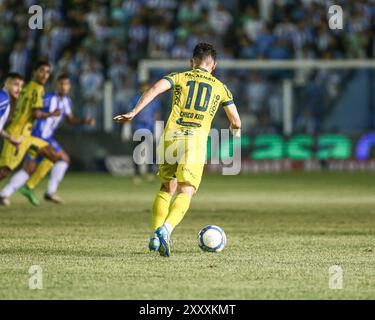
(71,118)
(231,112)
(234,119)
(158,88)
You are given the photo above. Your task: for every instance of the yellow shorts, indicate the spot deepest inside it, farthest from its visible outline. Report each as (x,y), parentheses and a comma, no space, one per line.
(11,156)
(183,159)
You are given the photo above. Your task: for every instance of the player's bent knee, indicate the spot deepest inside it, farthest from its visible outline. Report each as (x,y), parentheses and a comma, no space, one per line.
(172,186)
(65,157)
(4,171)
(30,167)
(186,188)
(165,187)
(50,154)
(169,187)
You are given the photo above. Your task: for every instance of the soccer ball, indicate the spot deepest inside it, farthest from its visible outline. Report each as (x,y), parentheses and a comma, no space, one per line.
(212,238)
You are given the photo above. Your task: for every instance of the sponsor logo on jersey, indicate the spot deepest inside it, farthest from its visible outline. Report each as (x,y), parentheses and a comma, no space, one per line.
(181,122)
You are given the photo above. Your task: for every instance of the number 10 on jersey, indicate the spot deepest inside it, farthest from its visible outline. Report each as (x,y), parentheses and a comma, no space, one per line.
(204,89)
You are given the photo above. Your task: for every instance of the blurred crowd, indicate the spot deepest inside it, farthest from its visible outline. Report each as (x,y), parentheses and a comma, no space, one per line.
(101,40)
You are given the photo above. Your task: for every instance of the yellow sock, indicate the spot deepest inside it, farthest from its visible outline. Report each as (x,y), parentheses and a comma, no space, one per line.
(43,168)
(178,209)
(160,209)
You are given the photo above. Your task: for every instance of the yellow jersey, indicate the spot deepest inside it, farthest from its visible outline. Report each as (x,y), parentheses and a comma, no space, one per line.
(197,95)
(31,97)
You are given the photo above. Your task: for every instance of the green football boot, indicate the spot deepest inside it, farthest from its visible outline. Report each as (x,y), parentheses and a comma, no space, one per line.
(30,195)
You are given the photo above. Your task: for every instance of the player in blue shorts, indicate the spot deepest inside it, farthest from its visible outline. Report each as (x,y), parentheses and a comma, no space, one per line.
(45,129)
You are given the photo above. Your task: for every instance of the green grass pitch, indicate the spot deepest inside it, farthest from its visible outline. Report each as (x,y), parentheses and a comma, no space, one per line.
(284,232)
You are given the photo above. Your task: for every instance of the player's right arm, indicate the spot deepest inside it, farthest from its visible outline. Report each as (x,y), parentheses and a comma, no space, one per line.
(150,94)
(12,140)
(38,111)
(40,114)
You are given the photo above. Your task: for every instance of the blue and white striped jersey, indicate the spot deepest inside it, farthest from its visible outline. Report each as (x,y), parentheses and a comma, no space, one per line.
(4,108)
(45,128)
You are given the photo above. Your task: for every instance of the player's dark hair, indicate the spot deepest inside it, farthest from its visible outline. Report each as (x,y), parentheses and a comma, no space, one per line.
(203,51)
(14,75)
(62,76)
(41,63)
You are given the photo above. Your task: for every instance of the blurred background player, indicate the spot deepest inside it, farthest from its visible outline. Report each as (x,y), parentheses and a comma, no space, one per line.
(144,121)
(44,129)
(29,108)
(196,98)
(8,99)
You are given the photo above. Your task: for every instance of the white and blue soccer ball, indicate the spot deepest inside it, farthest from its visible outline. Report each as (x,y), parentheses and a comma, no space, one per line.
(212,238)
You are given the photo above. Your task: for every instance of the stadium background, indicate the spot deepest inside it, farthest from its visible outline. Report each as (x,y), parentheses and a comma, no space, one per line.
(101,43)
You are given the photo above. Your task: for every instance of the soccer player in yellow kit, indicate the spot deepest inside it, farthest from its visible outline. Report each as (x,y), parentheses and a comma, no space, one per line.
(28,108)
(197,95)
(45,129)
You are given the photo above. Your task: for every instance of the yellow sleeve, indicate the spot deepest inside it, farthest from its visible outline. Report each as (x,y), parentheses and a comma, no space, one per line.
(227,97)
(37,98)
(173,78)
